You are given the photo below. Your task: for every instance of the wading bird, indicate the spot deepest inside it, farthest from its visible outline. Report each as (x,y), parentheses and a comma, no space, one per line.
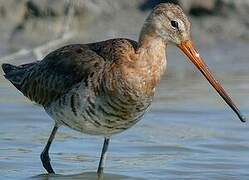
(104,88)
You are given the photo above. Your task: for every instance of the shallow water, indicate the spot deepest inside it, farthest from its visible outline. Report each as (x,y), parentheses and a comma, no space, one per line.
(189,133)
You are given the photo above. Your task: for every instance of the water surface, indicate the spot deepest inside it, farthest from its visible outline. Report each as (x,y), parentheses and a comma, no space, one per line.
(189,133)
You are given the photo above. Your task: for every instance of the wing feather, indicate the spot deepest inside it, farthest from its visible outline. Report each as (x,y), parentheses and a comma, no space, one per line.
(47,80)
(58,72)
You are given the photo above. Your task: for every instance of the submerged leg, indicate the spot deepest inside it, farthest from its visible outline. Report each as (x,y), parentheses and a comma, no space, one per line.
(103,157)
(44,155)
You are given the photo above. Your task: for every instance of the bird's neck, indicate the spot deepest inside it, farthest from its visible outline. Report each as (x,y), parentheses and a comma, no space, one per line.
(151,57)
(151,51)
(145,72)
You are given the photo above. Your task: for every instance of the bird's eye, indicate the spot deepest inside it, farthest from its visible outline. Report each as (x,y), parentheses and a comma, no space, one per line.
(174,24)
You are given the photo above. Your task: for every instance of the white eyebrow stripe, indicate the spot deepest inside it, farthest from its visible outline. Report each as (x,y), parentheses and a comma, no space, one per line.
(170,14)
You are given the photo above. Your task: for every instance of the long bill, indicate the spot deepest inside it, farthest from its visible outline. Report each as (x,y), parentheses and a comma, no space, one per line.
(188,48)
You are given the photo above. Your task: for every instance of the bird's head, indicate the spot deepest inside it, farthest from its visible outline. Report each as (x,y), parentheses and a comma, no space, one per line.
(169,23)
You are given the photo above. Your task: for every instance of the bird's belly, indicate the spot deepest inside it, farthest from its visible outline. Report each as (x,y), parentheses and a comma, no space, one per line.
(94,124)
(93,118)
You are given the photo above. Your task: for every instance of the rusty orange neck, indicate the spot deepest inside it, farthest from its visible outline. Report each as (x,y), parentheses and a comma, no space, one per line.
(148,65)
(151,59)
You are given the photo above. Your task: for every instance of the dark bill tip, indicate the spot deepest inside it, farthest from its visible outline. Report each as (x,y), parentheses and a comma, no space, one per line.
(188,48)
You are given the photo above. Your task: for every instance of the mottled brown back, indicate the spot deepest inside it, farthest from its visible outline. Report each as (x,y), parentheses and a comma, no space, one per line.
(47,80)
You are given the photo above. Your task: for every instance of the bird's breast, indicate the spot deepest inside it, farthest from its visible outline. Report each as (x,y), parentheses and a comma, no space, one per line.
(145,74)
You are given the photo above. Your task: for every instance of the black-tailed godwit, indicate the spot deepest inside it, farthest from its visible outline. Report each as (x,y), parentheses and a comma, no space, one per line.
(104,88)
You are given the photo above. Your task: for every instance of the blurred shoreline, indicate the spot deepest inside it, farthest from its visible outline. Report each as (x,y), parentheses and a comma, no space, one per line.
(26,24)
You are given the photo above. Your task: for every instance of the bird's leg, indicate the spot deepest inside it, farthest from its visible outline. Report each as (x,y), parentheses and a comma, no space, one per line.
(103,158)
(44,155)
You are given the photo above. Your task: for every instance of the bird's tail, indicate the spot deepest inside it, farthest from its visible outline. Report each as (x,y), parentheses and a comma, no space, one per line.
(15,74)
(8,68)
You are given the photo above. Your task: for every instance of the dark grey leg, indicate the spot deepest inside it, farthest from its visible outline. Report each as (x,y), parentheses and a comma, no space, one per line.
(103,158)
(44,155)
